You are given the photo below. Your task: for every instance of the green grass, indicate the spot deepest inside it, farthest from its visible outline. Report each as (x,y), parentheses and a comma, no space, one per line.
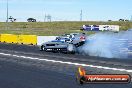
(53,28)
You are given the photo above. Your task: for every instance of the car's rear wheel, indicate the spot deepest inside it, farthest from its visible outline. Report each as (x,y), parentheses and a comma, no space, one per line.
(71,48)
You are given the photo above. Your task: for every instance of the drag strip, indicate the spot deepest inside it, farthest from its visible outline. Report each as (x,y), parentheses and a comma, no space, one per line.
(33,51)
(68,63)
(13,75)
(16,73)
(26,67)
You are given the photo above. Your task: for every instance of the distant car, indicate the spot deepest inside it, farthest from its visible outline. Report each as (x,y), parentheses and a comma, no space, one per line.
(31,20)
(129,30)
(65,43)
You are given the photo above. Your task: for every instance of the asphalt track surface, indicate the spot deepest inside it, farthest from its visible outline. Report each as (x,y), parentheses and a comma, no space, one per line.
(24,66)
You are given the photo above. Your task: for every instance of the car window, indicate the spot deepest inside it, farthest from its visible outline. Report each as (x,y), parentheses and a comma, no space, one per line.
(71,36)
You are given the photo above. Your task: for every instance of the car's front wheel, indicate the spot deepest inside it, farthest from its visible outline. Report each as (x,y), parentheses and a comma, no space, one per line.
(42,48)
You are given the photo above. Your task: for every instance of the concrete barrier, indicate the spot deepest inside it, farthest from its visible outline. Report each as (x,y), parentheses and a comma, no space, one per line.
(43,39)
(9,38)
(0,37)
(27,39)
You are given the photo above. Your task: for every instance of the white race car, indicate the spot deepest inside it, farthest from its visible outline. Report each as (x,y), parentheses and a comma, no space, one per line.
(65,43)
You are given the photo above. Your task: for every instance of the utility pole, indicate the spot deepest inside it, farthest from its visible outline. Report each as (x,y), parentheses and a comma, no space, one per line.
(81,16)
(7,14)
(7,11)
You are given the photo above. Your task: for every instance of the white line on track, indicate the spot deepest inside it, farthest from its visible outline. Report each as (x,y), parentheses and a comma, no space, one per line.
(69,63)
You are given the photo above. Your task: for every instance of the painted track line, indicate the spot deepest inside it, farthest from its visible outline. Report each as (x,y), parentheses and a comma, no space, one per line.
(69,63)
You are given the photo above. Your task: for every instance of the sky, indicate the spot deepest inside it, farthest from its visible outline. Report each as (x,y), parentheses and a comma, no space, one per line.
(67,10)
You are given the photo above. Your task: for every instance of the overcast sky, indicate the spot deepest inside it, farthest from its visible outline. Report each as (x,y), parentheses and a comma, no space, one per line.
(101,10)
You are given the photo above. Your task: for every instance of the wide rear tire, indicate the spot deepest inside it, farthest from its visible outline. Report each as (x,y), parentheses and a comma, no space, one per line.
(71,49)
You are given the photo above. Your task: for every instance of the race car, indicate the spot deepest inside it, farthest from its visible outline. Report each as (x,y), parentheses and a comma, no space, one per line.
(66,43)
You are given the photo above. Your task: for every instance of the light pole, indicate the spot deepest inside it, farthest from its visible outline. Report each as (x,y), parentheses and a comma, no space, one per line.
(7,14)
(81,16)
(7,11)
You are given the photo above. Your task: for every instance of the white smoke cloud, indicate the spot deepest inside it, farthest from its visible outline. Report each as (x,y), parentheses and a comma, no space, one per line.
(108,44)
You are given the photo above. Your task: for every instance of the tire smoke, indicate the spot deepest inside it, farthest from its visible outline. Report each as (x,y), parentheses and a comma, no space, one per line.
(109,45)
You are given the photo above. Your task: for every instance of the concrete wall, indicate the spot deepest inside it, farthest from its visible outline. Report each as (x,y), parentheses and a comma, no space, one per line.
(43,39)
